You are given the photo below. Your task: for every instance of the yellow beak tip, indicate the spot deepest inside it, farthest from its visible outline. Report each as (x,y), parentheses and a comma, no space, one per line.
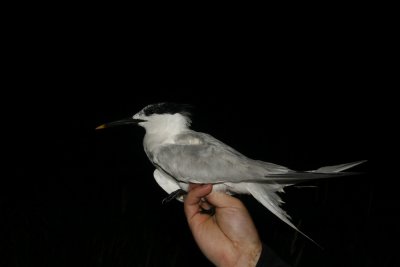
(101,127)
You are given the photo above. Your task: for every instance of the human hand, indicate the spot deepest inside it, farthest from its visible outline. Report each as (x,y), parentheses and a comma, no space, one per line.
(227,238)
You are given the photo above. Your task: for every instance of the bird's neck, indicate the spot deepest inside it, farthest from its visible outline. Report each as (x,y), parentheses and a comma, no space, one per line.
(164,131)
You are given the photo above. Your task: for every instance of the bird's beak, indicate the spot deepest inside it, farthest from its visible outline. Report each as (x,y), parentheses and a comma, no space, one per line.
(120,122)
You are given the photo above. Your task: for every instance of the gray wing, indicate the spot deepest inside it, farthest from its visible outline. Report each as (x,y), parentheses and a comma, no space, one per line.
(200,158)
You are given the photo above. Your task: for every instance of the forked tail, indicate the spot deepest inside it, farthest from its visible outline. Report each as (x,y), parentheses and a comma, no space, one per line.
(267,195)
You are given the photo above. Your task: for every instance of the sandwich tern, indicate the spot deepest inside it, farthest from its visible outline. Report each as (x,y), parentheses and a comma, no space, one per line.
(182,156)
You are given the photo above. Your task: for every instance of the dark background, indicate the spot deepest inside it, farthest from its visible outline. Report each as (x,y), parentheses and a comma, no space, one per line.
(80,197)
(73,196)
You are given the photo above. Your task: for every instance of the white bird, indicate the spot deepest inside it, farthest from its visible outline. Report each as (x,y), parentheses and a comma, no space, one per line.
(182,156)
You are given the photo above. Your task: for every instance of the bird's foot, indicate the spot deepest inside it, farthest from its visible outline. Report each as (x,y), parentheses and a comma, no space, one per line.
(174,195)
(206,207)
(210,211)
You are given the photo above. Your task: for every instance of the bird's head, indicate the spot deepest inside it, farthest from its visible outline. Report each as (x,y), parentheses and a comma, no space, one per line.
(158,117)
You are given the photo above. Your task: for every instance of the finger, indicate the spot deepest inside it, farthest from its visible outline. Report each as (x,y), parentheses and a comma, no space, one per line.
(193,199)
(193,186)
(220,200)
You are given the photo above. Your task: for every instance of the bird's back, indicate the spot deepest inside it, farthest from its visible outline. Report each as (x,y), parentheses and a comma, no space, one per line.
(198,157)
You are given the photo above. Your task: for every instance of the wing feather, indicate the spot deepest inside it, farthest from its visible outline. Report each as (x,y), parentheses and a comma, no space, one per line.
(199,157)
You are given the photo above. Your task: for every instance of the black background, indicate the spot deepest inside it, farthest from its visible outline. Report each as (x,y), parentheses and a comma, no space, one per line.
(73,196)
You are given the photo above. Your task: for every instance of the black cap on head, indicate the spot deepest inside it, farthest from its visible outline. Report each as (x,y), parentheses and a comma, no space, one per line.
(167,108)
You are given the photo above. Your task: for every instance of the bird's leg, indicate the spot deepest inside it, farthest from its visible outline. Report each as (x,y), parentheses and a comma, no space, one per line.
(210,210)
(173,195)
